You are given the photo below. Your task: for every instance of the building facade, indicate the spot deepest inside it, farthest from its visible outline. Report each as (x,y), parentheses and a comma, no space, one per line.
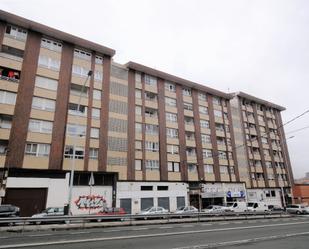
(139,136)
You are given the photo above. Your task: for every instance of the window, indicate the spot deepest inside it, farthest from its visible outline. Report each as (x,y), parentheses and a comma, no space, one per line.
(189,120)
(98,75)
(43,104)
(192,168)
(220,140)
(138,164)
(150,96)
(12,51)
(82,54)
(222,155)
(152,113)
(150,80)
(94,132)
(190,151)
(204,123)
(76,130)
(171,133)
(218,113)
(173,166)
(48,62)
(206,139)
(82,109)
(268,164)
(7,97)
(203,110)
(270,177)
(162,188)
(207,153)
(171,87)
(138,145)
(16,32)
(97,94)
(264,140)
(80,71)
(50,44)
(9,74)
(5,121)
(219,127)
(186,92)
(78,90)
(41,126)
(151,129)
(187,106)
(170,102)
(189,135)
(216,100)
(93,153)
(4,147)
(172,149)
(146,188)
(95,114)
(208,168)
(138,128)
(266,152)
(68,152)
(138,77)
(152,164)
(224,170)
(138,110)
(151,146)
(46,83)
(261,118)
(98,59)
(138,94)
(171,117)
(39,150)
(202,96)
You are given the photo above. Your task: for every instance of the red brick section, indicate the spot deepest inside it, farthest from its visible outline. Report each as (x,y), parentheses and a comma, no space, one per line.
(198,138)
(131,126)
(22,111)
(162,131)
(301,193)
(61,112)
(181,134)
(213,137)
(143,129)
(270,148)
(229,113)
(260,146)
(2,30)
(89,114)
(244,138)
(104,114)
(284,147)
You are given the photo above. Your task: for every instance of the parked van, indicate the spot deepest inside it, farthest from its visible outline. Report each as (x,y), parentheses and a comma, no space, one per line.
(257,207)
(237,207)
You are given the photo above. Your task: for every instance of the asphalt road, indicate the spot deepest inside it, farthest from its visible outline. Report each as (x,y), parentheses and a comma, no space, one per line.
(267,233)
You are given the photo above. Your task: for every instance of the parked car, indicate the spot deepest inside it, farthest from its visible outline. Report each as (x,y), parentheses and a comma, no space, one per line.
(215,209)
(49,212)
(153,211)
(296,209)
(185,210)
(237,207)
(257,207)
(275,208)
(8,210)
(112,211)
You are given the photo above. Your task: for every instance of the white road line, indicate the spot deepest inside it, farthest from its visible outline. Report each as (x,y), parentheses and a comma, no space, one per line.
(81,232)
(224,223)
(206,224)
(4,237)
(245,241)
(187,226)
(166,227)
(63,242)
(39,235)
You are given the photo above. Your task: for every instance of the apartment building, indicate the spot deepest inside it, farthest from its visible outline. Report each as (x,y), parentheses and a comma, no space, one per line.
(139,136)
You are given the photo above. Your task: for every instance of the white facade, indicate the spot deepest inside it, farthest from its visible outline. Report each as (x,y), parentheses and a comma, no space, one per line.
(133,191)
(57,188)
(270,196)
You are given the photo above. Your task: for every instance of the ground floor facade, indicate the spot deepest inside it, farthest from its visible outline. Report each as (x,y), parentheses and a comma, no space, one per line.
(34,191)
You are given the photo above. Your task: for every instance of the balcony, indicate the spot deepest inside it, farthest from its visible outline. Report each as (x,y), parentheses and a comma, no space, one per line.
(9,74)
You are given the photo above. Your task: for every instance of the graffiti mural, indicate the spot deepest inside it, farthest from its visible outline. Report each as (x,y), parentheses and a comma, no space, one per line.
(86,202)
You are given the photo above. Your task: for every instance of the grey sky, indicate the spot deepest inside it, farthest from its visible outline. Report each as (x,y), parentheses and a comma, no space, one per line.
(259,47)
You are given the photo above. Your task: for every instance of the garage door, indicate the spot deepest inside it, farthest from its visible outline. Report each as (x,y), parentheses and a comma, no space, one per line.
(126,205)
(164,202)
(29,200)
(180,201)
(146,203)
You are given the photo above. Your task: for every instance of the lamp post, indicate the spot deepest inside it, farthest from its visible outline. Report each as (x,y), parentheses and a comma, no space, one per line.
(74,145)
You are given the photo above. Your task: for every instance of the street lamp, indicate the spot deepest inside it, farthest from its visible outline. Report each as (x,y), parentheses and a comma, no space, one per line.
(74,145)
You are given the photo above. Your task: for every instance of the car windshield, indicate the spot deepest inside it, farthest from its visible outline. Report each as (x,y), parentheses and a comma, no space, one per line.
(209,207)
(180,208)
(147,209)
(250,204)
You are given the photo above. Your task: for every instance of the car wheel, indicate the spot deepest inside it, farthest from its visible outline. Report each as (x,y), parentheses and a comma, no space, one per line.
(38,222)
(298,212)
(99,220)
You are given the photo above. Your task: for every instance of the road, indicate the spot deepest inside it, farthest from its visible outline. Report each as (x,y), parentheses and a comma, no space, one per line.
(280,233)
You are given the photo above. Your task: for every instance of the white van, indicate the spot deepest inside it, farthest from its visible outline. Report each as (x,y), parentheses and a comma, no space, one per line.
(237,207)
(257,207)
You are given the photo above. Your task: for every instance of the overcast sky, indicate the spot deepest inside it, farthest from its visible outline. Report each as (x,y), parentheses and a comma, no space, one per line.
(259,47)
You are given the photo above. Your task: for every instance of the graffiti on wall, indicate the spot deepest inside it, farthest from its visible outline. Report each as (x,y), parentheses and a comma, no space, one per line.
(85,202)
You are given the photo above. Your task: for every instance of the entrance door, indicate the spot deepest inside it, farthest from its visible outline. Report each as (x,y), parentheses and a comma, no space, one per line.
(29,200)
(126,205)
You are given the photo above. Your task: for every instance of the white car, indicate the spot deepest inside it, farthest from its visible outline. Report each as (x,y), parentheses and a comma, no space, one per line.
(215,209)
(185,210)
(49,212)
(153,211)
(296,209)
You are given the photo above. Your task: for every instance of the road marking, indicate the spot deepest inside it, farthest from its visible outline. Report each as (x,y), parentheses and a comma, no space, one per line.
(166,227)
(82,232)
(238,222)
(206,224)
(187,226)
(39,235)
(224,223)
(252,221)
(4,237)
(63,242)
(245,241)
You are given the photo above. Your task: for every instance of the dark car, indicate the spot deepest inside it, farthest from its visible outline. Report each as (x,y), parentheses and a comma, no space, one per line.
(9,211)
